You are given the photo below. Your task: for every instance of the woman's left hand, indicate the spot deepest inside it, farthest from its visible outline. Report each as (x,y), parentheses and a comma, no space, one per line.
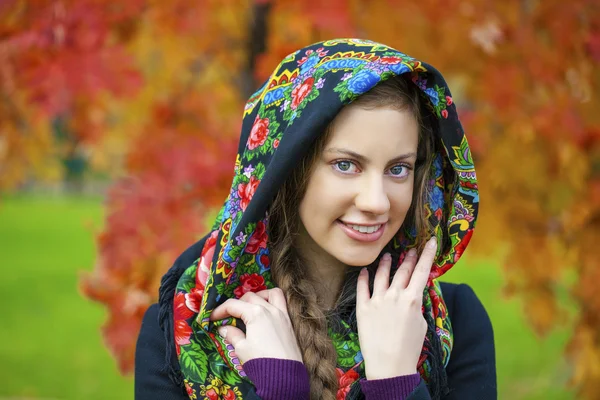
(391,326)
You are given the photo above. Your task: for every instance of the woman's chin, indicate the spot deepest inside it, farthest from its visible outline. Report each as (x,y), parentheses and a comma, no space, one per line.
(357,260)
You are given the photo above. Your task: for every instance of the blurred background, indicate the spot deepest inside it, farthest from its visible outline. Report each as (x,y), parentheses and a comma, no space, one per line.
(118,129)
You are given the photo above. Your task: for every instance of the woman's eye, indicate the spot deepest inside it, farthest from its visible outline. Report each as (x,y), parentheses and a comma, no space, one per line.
(399,170)
(345,166)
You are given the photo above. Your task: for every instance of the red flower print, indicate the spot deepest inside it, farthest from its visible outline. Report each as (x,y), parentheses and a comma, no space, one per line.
(230,395)
(204,267)
(449,100)
(301,91)
(462,245)
(322,52)
(212,394)
(435,302)
(345,380)
(438,213)
(445,113)
(422,358)
(258,240)
(276,143)
(210,242)
(189,389)
(259,133)
(193,299)
(264,260)
(250,283)
(180,315)
(348,378)
(303,60)
(246,191)
(390,60)
(342,393)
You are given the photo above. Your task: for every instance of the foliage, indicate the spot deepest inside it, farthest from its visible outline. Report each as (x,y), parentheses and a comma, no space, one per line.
(162,84)
(57,60)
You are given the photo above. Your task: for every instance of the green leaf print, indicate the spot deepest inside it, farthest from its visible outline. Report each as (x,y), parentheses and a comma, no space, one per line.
(345,95)
(346,354)
(259,170)
(250,154)
(288,113)
(188,279)
(224,289)
(221,288)
(346,348)
(247,264)
(193,362)
(216,364)
(231,377)
(202,337)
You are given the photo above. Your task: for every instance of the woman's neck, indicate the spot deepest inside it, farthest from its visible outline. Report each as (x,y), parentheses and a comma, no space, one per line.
(325,270)
(328,280)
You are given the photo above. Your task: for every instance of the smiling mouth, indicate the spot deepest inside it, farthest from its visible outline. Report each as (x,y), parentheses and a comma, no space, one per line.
(364,228)
(359,225)
(363,232)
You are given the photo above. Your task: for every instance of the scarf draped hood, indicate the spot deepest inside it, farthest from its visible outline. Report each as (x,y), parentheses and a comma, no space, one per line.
(280,122)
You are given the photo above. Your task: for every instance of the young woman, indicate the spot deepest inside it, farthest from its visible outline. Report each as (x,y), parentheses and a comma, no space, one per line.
(354,189)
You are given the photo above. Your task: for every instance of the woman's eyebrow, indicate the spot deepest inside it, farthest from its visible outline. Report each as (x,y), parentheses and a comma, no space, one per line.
(364,159)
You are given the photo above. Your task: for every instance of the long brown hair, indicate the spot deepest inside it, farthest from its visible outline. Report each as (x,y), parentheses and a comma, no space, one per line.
(289,272)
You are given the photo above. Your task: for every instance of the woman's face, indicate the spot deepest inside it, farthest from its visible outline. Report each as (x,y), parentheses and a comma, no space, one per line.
(361,187)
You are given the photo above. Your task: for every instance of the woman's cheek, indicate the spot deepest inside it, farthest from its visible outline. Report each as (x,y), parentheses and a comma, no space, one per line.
(401,201)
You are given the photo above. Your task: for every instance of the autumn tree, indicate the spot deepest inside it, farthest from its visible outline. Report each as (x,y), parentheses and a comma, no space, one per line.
(59,63)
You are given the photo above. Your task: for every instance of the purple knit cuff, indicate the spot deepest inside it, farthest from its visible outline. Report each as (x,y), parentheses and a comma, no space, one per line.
(396,388)
(278,379)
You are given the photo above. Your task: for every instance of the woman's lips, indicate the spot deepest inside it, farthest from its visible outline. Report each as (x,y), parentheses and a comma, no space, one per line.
(361,236)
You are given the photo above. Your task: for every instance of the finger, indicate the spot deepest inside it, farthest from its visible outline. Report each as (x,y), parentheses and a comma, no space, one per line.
(420,275)
(362,287)
(232,308)
(231,334)
(256,298)
(263,294)
(404,272)
(382,276)
(274,297)
(277,299)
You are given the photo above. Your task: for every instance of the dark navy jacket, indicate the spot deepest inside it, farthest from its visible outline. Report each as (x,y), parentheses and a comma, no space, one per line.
(471,370)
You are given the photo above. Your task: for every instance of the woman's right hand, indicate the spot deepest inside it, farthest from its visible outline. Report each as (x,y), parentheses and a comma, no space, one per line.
(269,331)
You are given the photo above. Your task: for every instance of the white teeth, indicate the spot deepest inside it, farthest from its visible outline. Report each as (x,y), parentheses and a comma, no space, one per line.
(365,229)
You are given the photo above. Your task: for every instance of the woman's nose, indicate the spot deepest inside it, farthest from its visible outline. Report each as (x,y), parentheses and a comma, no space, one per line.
(372,197)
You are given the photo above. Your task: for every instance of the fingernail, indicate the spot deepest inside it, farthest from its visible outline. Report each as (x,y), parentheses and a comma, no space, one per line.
(387,257)
(222,331)
(412,252)
(363,271)
(432,243)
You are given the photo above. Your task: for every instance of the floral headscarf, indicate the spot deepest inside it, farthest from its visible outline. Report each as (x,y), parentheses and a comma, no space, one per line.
(281,120)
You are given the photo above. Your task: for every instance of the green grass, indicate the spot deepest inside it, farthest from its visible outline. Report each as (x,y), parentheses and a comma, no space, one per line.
(50,343)
(528,367)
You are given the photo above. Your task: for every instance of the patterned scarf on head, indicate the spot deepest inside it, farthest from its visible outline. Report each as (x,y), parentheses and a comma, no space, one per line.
(281,120)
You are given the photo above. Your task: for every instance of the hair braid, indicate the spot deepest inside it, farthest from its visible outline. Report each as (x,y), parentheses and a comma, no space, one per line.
(310,324)
(309,320)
